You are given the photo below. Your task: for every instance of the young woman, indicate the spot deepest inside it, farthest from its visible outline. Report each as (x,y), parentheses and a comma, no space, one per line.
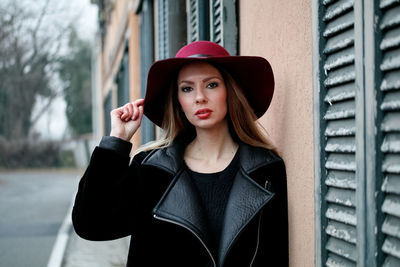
(211,191)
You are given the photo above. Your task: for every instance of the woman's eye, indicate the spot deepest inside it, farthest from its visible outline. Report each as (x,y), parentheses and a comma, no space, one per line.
(212,85)
(186,89)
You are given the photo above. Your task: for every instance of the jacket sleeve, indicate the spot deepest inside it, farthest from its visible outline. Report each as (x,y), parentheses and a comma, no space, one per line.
(274,243)
(107,196)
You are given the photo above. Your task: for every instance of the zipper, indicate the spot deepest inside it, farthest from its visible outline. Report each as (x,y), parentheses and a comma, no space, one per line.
(258,241)
(266,186)
(184,226)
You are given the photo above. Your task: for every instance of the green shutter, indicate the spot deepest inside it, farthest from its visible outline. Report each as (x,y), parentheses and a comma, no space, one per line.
(390,129)
(163,29)
(216,25)
(357,109)
(193,21)
(213,20)
(123,80)
(223,24)
(171,27)
(146,28)
(197,20)
(337,134)
(107,109)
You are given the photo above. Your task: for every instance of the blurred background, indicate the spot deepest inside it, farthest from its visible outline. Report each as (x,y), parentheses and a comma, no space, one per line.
(335,116)
(46,132)
(45,82)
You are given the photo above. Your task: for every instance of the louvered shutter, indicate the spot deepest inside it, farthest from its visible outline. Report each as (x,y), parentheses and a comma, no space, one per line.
(107,106)
(358,172)
(193,21)
(338,131)
(390,129)
(197,20)
(123,80)
(223,24)
(171,27)
(162,29)
(146,28)
(216,21)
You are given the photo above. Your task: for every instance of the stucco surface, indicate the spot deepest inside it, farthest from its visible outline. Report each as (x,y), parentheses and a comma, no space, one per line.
(134,72)
(281,32)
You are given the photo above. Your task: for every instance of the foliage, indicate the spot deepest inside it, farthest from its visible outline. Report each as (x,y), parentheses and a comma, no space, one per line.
(75,73)
(22,153)
(34,40)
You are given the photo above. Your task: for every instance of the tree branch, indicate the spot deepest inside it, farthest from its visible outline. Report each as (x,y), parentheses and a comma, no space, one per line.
(45,107)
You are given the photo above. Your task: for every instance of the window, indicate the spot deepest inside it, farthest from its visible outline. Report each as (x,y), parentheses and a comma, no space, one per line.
(198,20)
(213,20)
(223,24)
(357,132)
(107,110)
(146,28)
(171,27)
(122,80)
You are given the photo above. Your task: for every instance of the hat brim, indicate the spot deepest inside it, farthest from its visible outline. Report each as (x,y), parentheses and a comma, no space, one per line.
(253,74)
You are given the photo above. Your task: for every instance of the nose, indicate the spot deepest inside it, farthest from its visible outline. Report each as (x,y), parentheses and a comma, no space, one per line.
(200,96)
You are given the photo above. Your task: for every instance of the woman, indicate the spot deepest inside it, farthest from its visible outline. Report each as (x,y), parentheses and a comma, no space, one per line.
(212,191)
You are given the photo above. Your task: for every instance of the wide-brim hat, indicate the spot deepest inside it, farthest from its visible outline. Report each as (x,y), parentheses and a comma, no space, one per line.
(252,73)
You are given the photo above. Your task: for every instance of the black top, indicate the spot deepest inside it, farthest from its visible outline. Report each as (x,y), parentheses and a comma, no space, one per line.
(214,189)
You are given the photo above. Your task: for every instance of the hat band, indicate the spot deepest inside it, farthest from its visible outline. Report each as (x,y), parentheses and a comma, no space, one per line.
(200,55)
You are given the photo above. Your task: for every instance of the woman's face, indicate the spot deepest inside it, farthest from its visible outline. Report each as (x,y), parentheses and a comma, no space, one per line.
(202,95)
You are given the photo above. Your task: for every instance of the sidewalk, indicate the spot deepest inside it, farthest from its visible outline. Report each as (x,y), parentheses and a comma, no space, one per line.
(78,252)
(70,250)
(83,253)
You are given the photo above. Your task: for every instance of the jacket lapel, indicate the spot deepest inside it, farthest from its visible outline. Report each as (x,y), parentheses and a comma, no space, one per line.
(181,205)
(245,200)
(169,159)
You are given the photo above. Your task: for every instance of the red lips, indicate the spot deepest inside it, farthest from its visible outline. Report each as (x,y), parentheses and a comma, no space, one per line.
(203,113)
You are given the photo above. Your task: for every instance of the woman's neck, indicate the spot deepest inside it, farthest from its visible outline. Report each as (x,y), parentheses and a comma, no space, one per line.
(212,145)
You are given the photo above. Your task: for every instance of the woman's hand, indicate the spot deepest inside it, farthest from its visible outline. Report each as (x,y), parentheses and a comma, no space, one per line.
(126,120)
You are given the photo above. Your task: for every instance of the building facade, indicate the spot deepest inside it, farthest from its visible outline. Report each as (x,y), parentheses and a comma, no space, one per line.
(335,114)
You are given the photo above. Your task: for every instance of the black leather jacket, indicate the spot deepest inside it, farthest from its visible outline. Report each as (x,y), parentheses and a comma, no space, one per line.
(153,200)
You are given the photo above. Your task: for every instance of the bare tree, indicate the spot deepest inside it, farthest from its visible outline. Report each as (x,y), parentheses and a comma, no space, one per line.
(29,53)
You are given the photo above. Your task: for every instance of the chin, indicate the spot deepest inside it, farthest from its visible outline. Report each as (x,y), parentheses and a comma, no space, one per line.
(208,124)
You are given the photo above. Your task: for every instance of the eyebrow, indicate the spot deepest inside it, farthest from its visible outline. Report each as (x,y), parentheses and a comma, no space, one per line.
(204,80)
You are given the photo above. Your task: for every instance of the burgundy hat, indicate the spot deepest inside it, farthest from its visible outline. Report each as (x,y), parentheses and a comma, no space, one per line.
(253,74)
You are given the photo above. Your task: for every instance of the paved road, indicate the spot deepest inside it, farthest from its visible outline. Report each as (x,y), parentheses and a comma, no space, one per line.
(83,253)
(33,204)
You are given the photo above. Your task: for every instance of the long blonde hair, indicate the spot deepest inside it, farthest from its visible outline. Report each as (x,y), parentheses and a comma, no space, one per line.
(242,121)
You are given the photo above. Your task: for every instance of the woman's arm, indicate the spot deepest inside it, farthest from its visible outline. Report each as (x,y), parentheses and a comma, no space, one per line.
(107,198)
(106,205)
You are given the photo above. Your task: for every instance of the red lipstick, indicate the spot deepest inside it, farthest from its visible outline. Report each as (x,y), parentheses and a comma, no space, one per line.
(203,113)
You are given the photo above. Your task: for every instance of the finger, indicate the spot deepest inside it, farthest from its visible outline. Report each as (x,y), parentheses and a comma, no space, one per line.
(136,104)
(135,113)
(125,114)
(129,109)
(139,102)
(116,112)
(122,113)
(129,106)
(141,109)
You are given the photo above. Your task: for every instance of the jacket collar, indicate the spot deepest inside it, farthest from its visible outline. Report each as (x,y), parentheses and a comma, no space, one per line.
(180,203)
(170,159)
